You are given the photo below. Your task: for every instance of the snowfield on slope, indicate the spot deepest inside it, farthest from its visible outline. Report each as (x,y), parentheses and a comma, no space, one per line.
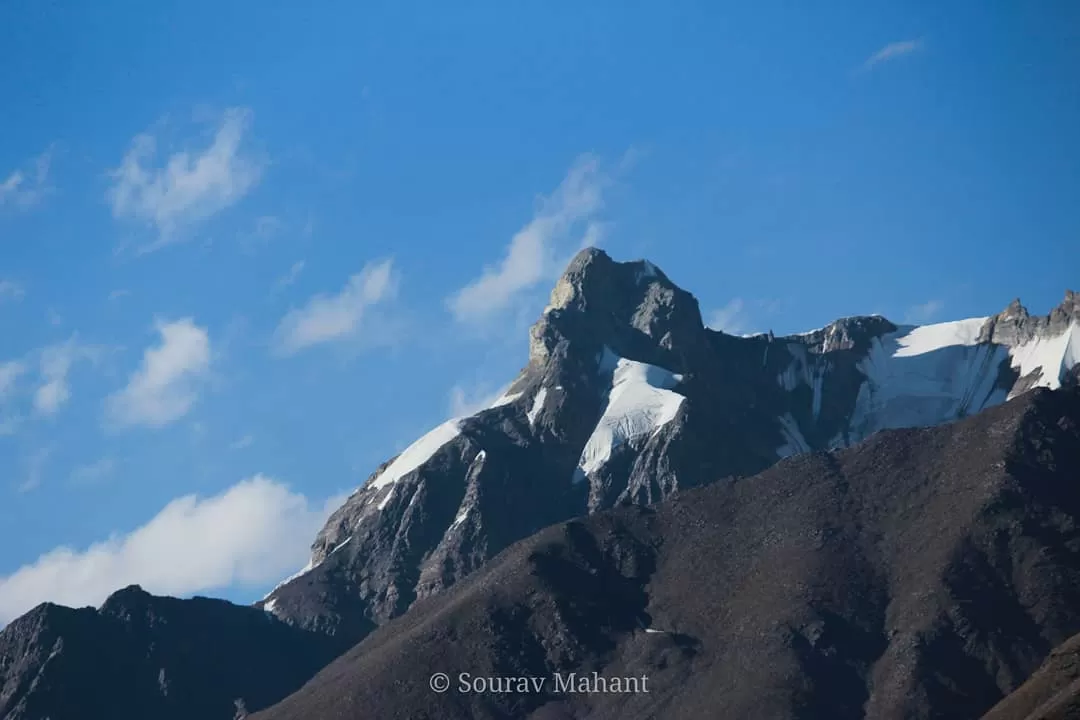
(639,403)
(919,376)
(418,453)
(1052,356)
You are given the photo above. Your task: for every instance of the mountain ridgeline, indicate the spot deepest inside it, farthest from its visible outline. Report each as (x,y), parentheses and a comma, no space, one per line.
(628,397)
(864,521)
(924,573)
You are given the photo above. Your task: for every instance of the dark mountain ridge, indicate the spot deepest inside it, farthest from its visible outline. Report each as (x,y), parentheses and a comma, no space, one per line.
(627,399)
(143,656)
(924,573)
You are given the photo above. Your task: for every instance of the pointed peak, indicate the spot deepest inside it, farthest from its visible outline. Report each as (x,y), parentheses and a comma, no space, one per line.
(125,598)
(1015,309)
(592,278)
(1015,325)
(598,300)
(585,258)
(1071,303)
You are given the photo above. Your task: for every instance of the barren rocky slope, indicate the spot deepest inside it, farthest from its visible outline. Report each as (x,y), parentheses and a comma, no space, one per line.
(922,574)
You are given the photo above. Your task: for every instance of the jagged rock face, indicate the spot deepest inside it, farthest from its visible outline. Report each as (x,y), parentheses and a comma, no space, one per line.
(628,398)
(925,573)
(141,656)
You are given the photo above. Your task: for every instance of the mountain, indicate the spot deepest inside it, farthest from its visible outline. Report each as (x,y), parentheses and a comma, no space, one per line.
(628,397)
(924,573)
(826,554)
(141,656)
(1051,693)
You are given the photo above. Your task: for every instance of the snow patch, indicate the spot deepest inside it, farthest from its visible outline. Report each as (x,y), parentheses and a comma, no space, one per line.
(922,376)
(537,406)
(1052,356)
(505,399)
(339,546)
(270,605)
(645,271)
(794,442)
(927,338)
(384,502)
(417,454)
(640,402)
(806,370)
(463,515)
(466,506)
(311,565)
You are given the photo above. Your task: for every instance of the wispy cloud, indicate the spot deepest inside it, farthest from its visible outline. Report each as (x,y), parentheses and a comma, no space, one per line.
(10,372)
(27,186)
(191,186)
(11,290)
(564,223)
(244,442)
(165,387)
(250,535)
(291,277)
(464,402)
(35,470)
(892,51)
(118,294)
(924,313)
(326,318)
(264,229)
(56,362)
(731,318)
(93,473)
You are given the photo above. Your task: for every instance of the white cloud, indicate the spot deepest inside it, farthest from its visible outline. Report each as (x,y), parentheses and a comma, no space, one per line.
(248,536)
(10,372)
(536,252)
(731,318)
(244,442)
(11,290)
(290,277)
(466,402)
(26,187)
(191,186)
(94,472)
(266,226)
(924,313)
(165,387)
(9,425)
(892,51)
(334,317)
(56,363)
(35,469)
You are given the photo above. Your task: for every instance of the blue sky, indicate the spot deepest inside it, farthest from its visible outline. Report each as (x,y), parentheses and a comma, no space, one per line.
(250,250)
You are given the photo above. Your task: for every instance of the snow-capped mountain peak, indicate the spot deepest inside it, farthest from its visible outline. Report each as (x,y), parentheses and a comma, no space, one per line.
(628,397)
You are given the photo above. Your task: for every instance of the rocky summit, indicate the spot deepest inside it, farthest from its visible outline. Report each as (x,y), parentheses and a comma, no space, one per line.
(627,398)
(865,520)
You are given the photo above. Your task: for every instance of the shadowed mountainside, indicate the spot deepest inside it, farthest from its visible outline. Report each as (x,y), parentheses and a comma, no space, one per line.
(142,656)
(924,573)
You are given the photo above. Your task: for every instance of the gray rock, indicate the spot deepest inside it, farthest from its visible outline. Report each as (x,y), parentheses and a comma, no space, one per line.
(513,469)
